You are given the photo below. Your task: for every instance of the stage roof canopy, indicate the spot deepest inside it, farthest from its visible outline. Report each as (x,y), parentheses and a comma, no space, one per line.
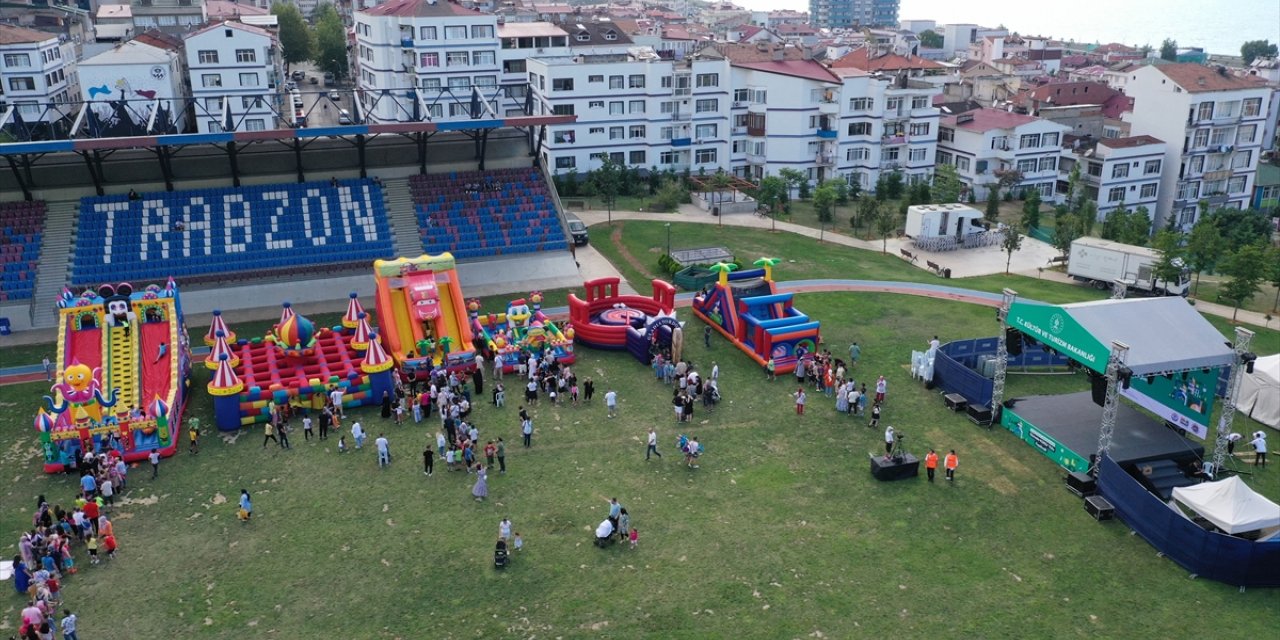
(1164,334)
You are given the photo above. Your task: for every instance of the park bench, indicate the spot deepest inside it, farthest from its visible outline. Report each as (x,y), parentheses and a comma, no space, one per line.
(909,256)
(934,267)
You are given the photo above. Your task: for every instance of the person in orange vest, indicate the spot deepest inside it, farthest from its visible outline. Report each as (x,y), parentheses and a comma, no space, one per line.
(951,462)
(931,463)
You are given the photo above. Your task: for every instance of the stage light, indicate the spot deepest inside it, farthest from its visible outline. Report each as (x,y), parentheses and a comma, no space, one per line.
(1125,375)
(1248,359)
(1151,379)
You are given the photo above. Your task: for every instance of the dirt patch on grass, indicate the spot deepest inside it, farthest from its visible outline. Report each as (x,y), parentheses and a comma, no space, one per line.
(615,236)
(1002,485)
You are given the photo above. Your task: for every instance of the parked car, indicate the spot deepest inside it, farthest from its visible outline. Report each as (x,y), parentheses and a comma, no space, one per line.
(313,80)
(299,75)
(577,229)
(334,95)
(328,78)
(297,101)
(344,116)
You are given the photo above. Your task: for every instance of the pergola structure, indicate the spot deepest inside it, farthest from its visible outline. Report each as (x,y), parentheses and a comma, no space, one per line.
(96,129)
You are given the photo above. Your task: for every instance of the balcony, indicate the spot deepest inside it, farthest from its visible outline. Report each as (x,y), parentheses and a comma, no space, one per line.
(406,43)
(754,158)
(890,165)
(682,116)
(755,132)
(738,131)
(681,142)
(825,159)
(893,139)
(826,133)
(757,107)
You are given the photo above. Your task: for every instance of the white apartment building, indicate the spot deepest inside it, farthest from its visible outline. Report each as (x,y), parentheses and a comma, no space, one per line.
(785,115)
(887,124)
(234,70)
(1213,124)
(984,142)
(424,59)
(635,109)
(138,72)
(1117,172)
(35,70)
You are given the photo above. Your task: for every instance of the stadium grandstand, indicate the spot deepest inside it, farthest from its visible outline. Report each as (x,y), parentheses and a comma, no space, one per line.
(483,213)
(21,230)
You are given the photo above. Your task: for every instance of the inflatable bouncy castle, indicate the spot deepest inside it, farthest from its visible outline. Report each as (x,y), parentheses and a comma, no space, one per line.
(522,330)
(122,366)
(610,320)
(421,314)
(746,308)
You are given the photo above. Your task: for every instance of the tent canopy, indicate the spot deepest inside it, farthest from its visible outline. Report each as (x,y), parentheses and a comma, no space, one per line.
(1230,505)
(1260,392)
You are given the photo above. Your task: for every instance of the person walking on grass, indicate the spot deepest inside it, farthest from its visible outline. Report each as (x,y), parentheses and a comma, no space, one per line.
(428,460)
(68,625)
(526,430)
(770,370)
(653,444)
(284,435)
(611,401)
(481,488)
(888,441)
(269,433)
(307,432)
(706,336)
(501,451)
(357,434)
(154,459)
(952,461)
(931,463)
(875,416)
(384,451)
(882,387)
(1259,443)
(800,397)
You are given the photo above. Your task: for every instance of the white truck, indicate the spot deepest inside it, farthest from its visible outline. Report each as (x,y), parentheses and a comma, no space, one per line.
(1103,262)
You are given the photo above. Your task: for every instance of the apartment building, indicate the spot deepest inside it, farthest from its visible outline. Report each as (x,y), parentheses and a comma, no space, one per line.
(786,115)
(887,124)
(145,74)
(833,14)
(985,143)
(1213,125)
(235,70)
(1116,172)
(36,69)
(170,16)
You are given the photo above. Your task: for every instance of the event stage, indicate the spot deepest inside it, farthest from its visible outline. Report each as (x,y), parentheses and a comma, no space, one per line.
(1065,429)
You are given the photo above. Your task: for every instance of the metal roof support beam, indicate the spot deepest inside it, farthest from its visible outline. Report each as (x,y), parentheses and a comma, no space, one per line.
(234,162)
(93,162)
(17,175)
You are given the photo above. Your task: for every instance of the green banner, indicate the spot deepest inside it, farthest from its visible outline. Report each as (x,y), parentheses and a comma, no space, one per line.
(1185,399)
(1055,327)
(1044,443)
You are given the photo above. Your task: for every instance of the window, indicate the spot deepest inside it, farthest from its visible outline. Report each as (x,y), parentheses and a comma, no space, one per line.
(705,156)
(635,106)
(482,31)
(946,135)
(459,110)
(435,110)
(595,104)
(1029,141)
(1000,143)
(1237,184)
(1049,164)
(1189,190)
(943,157)
(430,59)
(562,84)
(483,57)
(562,110)
(457,59)
(962,163)
(741,95)
(19,60)
(860,129)
(705,131)
(596,131)
(1246,133)
(858,153)
(635,81)
(595,78)
(1149,190)
(918,155)
(1196,166)
(615,82)
(892,105)
(1151,167)
(1116,194)
(1205,111)
(1251,108)
(211,80)
(207,56)
(861,104)
(616,108)
(1027,166)
(255,124)
(1241,159)
(1046,190)
(617,133)
(566,162)
(707,80)
(460,84)
(666,133)
(707,105)
(668,157)
(1049,140)
(919,129)
(248,79)
(1095,169)
(455,33)
(564,137)
(213,104)
(1200,139)
(920,102)
(246,55)
(249,102)
(1220,137)
(889,155)
(431,84)
(637,157)
(426,33)
(636,131)
(667,107)
(1120,170)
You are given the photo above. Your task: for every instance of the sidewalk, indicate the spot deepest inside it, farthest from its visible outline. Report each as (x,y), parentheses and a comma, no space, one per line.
(964,263)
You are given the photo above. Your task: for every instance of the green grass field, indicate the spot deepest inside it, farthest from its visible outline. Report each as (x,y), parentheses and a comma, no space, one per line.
(781,532)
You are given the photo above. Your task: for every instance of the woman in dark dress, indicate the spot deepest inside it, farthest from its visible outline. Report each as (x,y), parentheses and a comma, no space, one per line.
(386,404)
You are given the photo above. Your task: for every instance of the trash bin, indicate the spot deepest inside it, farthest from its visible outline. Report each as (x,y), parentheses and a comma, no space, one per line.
(946,273)
(715,211)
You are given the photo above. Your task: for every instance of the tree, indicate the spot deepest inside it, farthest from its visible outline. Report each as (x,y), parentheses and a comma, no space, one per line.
(295,38)
(1169,50)
(668,196)
(866,212)
(882,187)
(886,224)
(1129,227)
(930,40)
(824,202)
(1065,231)
(793,178)
(1240,227)
(993,204)
(1146,50)
(771,193)
(1245,270)
(1273,275)
(1031,210)
(331,41)
(946,184)
(1254,49)
(1204,245)
(1007,178)
(1012,242)
(1168,268)
(1072,201)
(607,181)
(893,185)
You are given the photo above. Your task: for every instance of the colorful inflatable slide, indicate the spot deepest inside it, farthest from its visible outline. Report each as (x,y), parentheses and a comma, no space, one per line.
(122,364)
(523,330)
(420,311)
(746,307)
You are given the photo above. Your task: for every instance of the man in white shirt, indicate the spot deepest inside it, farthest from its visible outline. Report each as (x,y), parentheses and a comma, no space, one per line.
(1259,443)
(715,371)
(653,444)
(335,397)
(357,434)
(611,401)
(603,532)
(384,451)
(888,440)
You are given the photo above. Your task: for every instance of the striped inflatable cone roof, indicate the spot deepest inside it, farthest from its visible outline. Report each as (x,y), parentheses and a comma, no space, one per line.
(376,359)
(159,408)
(286,312)
(225,382)
(218,324)
(220,348)
(354,311)
(360,339)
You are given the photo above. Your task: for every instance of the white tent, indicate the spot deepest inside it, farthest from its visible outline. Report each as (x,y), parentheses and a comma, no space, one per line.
(1259,396)
(1230,505)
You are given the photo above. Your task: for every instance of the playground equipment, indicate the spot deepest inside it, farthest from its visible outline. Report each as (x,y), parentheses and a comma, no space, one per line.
(296,363)
(122,361)
(523,329)
(745,307)
(608,320)
(420,312)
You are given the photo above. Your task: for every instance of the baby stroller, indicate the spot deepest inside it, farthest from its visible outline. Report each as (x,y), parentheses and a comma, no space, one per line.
(500,555)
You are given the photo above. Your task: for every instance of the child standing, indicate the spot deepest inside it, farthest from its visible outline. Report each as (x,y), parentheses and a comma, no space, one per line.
(800,398)
(92,545)
(109,544)
(519,544)
(342,444)
(306,428)
(875,416)
(635,537)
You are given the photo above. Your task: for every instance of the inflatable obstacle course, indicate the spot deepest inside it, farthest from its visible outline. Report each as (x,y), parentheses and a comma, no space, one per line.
(745,307)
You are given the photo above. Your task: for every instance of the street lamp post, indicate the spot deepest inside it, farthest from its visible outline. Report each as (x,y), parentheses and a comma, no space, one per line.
(668,226)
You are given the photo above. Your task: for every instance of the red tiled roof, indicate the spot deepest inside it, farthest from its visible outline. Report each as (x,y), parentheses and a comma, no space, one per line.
(1116,105)
(230,24)
(1130,142)
(217,9)
(1065,94)
(809,69)
(420,9)
(988,119)
(865,60)
(10,34)
(1198,78)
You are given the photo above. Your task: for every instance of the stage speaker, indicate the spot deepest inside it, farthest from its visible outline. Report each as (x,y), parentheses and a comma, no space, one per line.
(1013,341)
(979,414)
(1099,508)
(1099,388)
(1081,484)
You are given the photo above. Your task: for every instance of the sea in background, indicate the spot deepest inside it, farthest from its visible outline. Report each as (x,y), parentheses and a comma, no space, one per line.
(1218,26)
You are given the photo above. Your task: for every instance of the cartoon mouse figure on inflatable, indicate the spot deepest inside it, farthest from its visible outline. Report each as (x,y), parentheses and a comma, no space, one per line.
(115,301)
